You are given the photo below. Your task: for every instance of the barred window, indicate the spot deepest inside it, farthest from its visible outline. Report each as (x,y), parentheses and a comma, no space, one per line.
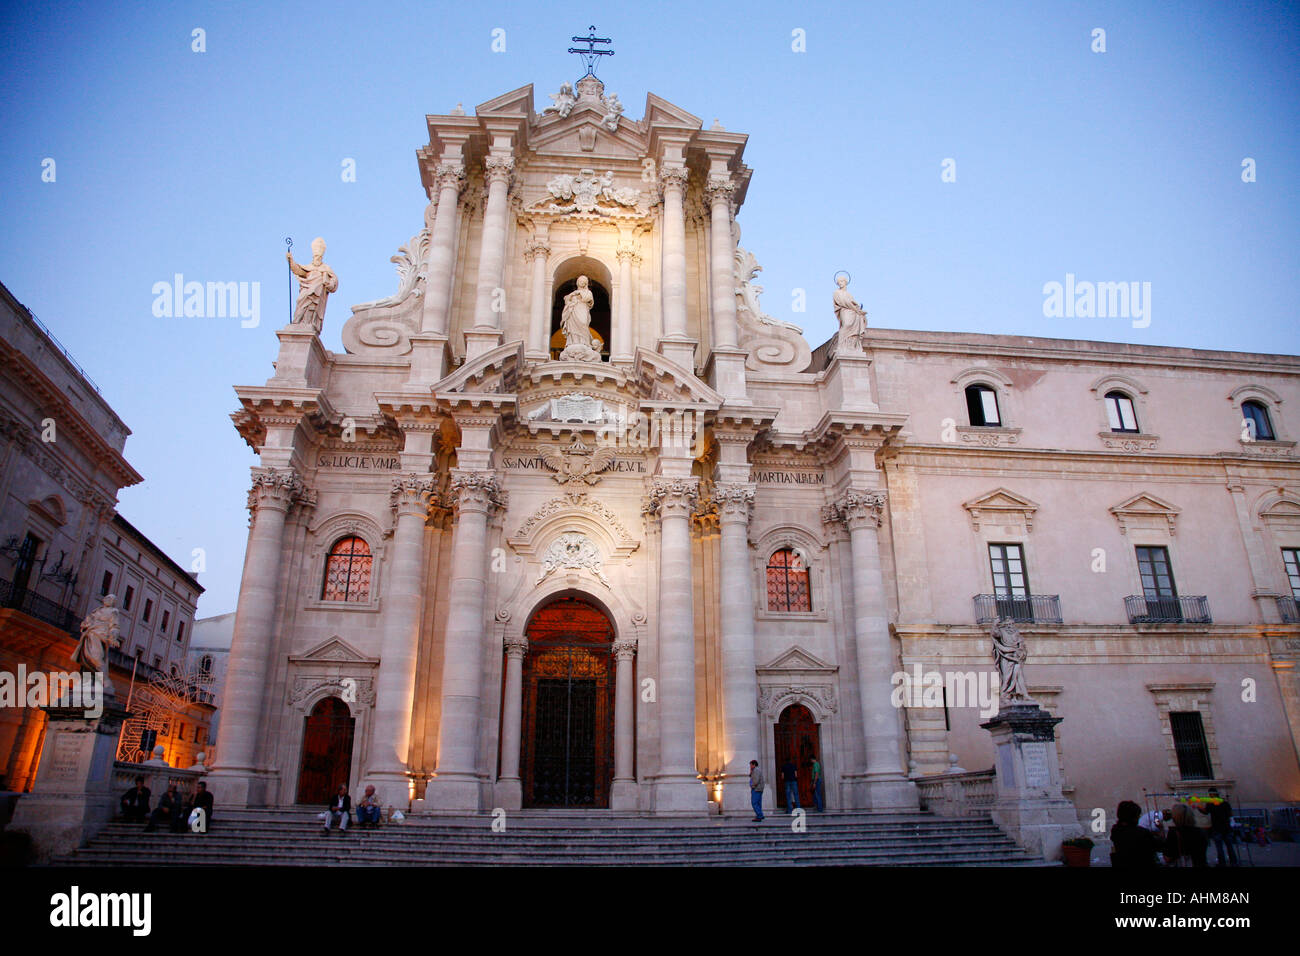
(1190,745)
(347,571)
(787,582)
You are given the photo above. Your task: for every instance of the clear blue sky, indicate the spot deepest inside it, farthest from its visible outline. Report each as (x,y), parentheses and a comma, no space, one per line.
(1122,166)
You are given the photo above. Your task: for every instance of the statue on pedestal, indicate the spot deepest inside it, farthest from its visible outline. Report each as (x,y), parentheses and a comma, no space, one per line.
(852,318)
(316,281)
(1009,655)
(99,632)
(575,324)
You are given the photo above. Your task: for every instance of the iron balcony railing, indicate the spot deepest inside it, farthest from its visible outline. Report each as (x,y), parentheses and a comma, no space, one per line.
(1029,609)
(42,608)
(1286,609)
(1168,610)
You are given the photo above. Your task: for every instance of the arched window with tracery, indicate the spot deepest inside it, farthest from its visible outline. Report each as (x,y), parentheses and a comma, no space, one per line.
(347,571)
(787,582)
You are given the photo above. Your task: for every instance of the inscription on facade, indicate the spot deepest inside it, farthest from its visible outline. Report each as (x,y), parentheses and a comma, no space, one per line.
(790,477)
(66,757)
(359,462)
(536,463)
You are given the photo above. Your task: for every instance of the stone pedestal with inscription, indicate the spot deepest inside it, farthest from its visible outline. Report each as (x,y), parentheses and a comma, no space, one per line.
(1030,806)
(73,796)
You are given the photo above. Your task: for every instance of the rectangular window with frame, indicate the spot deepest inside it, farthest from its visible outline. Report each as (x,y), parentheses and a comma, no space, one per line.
(128,598)
(1190,745)
(167,619)
(1291,559)
(1010,581)
(107,584)
(1158,586)
(148,609)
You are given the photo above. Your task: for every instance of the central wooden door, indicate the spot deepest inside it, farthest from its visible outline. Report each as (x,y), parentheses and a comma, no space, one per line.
(567,756)
(326,751)
(797,738)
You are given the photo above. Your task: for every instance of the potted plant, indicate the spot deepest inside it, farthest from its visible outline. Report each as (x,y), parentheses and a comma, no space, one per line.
(1077,851)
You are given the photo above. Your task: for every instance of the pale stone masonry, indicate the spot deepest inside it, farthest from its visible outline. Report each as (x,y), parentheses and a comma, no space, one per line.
(549,610)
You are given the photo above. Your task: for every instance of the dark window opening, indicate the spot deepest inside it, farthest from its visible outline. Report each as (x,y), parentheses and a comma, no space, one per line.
(982,405)
(1190,745)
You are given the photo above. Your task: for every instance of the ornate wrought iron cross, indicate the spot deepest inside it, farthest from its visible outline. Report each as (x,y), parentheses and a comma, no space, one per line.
(590,54)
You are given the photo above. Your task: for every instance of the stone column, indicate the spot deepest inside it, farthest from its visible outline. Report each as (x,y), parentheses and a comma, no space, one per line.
(722,262)
(623,795)
(538,325)
(681,349)
(620,350)
(456,783)
(399,647)
(442,249)
(509,786)
(885,783)
(492,257)
(739,677)
(272,493)
(677,787)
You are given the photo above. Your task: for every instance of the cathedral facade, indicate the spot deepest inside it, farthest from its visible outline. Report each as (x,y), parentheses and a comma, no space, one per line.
(573,523)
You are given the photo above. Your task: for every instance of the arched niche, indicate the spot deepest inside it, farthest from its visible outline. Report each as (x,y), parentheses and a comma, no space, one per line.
(565,280)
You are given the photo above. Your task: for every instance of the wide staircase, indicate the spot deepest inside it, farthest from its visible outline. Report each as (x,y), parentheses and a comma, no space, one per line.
(293,837)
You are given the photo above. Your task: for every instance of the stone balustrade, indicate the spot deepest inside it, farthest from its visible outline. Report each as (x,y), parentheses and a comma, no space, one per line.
(958,794)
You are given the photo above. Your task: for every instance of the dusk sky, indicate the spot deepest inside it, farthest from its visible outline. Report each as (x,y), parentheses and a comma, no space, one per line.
(1117,166)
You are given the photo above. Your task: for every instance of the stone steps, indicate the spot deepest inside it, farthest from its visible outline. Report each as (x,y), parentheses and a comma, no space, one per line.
(292,837)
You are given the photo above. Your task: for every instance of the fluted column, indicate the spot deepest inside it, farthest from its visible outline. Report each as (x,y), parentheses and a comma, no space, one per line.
(442,249)
(273,491)
(509,785)
(674,179)
(623,795)
(456,784)
(677,787)
(538,325)
(885,783)
(739,675)
(399,645)
(492,250)
(722,262)
(620,350)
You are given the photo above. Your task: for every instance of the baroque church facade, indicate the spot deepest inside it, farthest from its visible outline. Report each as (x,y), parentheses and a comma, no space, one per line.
(572,522)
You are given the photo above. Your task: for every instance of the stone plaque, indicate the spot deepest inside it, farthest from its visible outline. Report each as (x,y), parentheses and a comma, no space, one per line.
(1037,773)
(66,759)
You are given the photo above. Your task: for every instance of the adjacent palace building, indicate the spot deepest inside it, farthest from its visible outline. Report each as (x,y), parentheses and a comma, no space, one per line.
(573,523)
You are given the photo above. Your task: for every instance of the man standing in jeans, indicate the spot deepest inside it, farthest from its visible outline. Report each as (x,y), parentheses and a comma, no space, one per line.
(756,790)
(819,791)
(790,777)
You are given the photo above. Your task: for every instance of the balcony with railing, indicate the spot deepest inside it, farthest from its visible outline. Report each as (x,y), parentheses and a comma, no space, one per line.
(1029,609)
(1287,611)
(34,605)
(1194,609)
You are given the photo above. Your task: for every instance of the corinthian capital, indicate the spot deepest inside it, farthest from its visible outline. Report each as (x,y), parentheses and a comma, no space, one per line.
(449,174)
(673,497)
(411,494)
(735,502)
(536,248)
(516,647)
(624,650)
(720,189)
(474,491)
(673,177)
(861,509)
(275,488)
(498,169)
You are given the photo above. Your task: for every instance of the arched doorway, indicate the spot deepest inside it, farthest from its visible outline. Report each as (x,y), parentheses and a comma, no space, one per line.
(600,316)
(567,737)
(797,738)
(326,750)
